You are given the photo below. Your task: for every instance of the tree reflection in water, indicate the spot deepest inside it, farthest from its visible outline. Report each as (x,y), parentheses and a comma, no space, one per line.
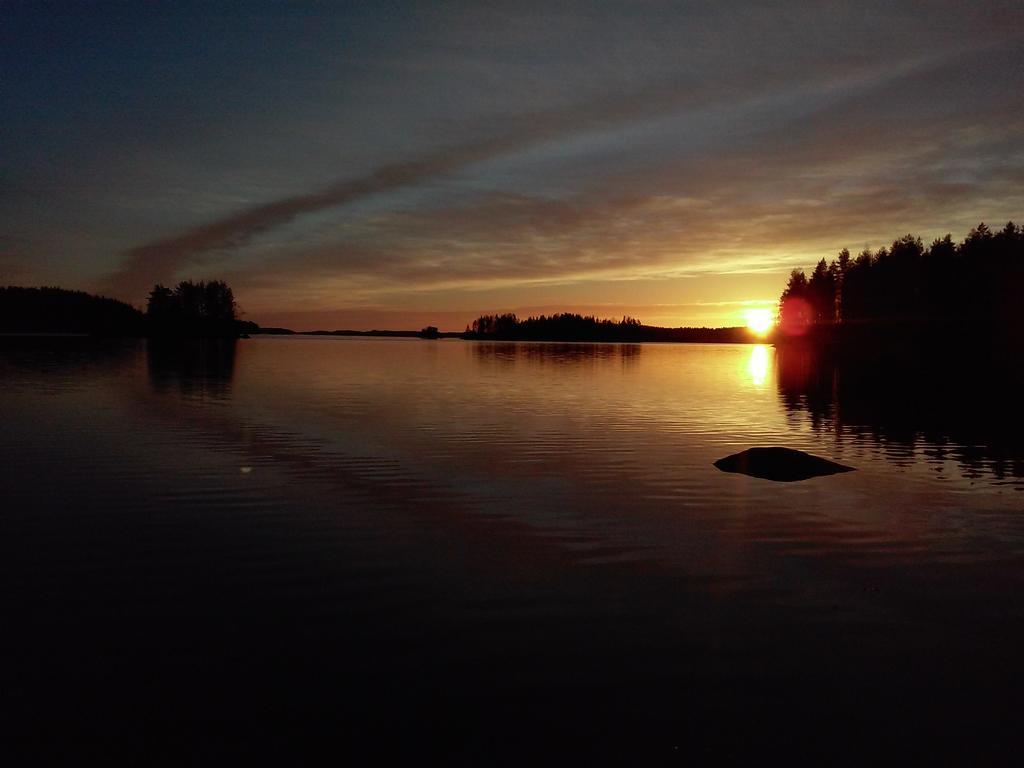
(195,367)
(952,404)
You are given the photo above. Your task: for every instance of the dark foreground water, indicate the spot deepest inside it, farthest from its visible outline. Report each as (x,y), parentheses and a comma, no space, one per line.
(501,553)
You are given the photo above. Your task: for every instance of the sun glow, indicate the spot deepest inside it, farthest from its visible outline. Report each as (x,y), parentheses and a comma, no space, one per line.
(760,321)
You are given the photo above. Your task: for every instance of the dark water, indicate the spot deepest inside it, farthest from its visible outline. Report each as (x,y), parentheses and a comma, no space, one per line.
(496,553)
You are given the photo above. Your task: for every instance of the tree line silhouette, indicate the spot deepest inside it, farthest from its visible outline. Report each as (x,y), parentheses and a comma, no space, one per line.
(568,326)
(561,326)
(56,310)
(977,282)
(197,309)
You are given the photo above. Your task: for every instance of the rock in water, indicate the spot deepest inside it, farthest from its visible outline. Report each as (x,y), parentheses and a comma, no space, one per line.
(782,464)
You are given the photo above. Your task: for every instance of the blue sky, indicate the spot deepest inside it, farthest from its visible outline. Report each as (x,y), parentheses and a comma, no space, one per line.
(394,164)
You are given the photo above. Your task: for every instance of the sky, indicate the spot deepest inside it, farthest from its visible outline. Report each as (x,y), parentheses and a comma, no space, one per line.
(393,165)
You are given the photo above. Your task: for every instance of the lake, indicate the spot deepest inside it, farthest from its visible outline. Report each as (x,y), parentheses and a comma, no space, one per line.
(479,550)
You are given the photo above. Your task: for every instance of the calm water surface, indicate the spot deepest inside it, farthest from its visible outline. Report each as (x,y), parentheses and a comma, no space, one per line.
(471,549)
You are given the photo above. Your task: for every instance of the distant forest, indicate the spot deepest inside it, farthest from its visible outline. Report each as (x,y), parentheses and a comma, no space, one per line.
(977,282)
(554,327)
(56,310)
(574,327)
(203,309)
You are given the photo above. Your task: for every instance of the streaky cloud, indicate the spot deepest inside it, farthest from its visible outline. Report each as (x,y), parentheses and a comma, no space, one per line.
(162,258)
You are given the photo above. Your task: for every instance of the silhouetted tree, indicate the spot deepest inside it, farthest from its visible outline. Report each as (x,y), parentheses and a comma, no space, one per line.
(796,310)
(821,292)
(838,268)
(161,301)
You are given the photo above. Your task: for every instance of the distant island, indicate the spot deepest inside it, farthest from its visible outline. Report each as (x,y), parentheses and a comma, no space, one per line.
(573,327)
(204,309)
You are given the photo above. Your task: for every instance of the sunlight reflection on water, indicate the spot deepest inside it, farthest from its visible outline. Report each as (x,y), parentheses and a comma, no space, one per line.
(758,364)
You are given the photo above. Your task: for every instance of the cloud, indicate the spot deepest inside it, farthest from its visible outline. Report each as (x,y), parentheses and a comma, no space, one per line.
(680,178)
(808,194)
(163,258)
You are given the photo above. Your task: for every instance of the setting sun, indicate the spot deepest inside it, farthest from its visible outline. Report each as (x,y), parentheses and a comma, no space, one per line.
(760,321)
